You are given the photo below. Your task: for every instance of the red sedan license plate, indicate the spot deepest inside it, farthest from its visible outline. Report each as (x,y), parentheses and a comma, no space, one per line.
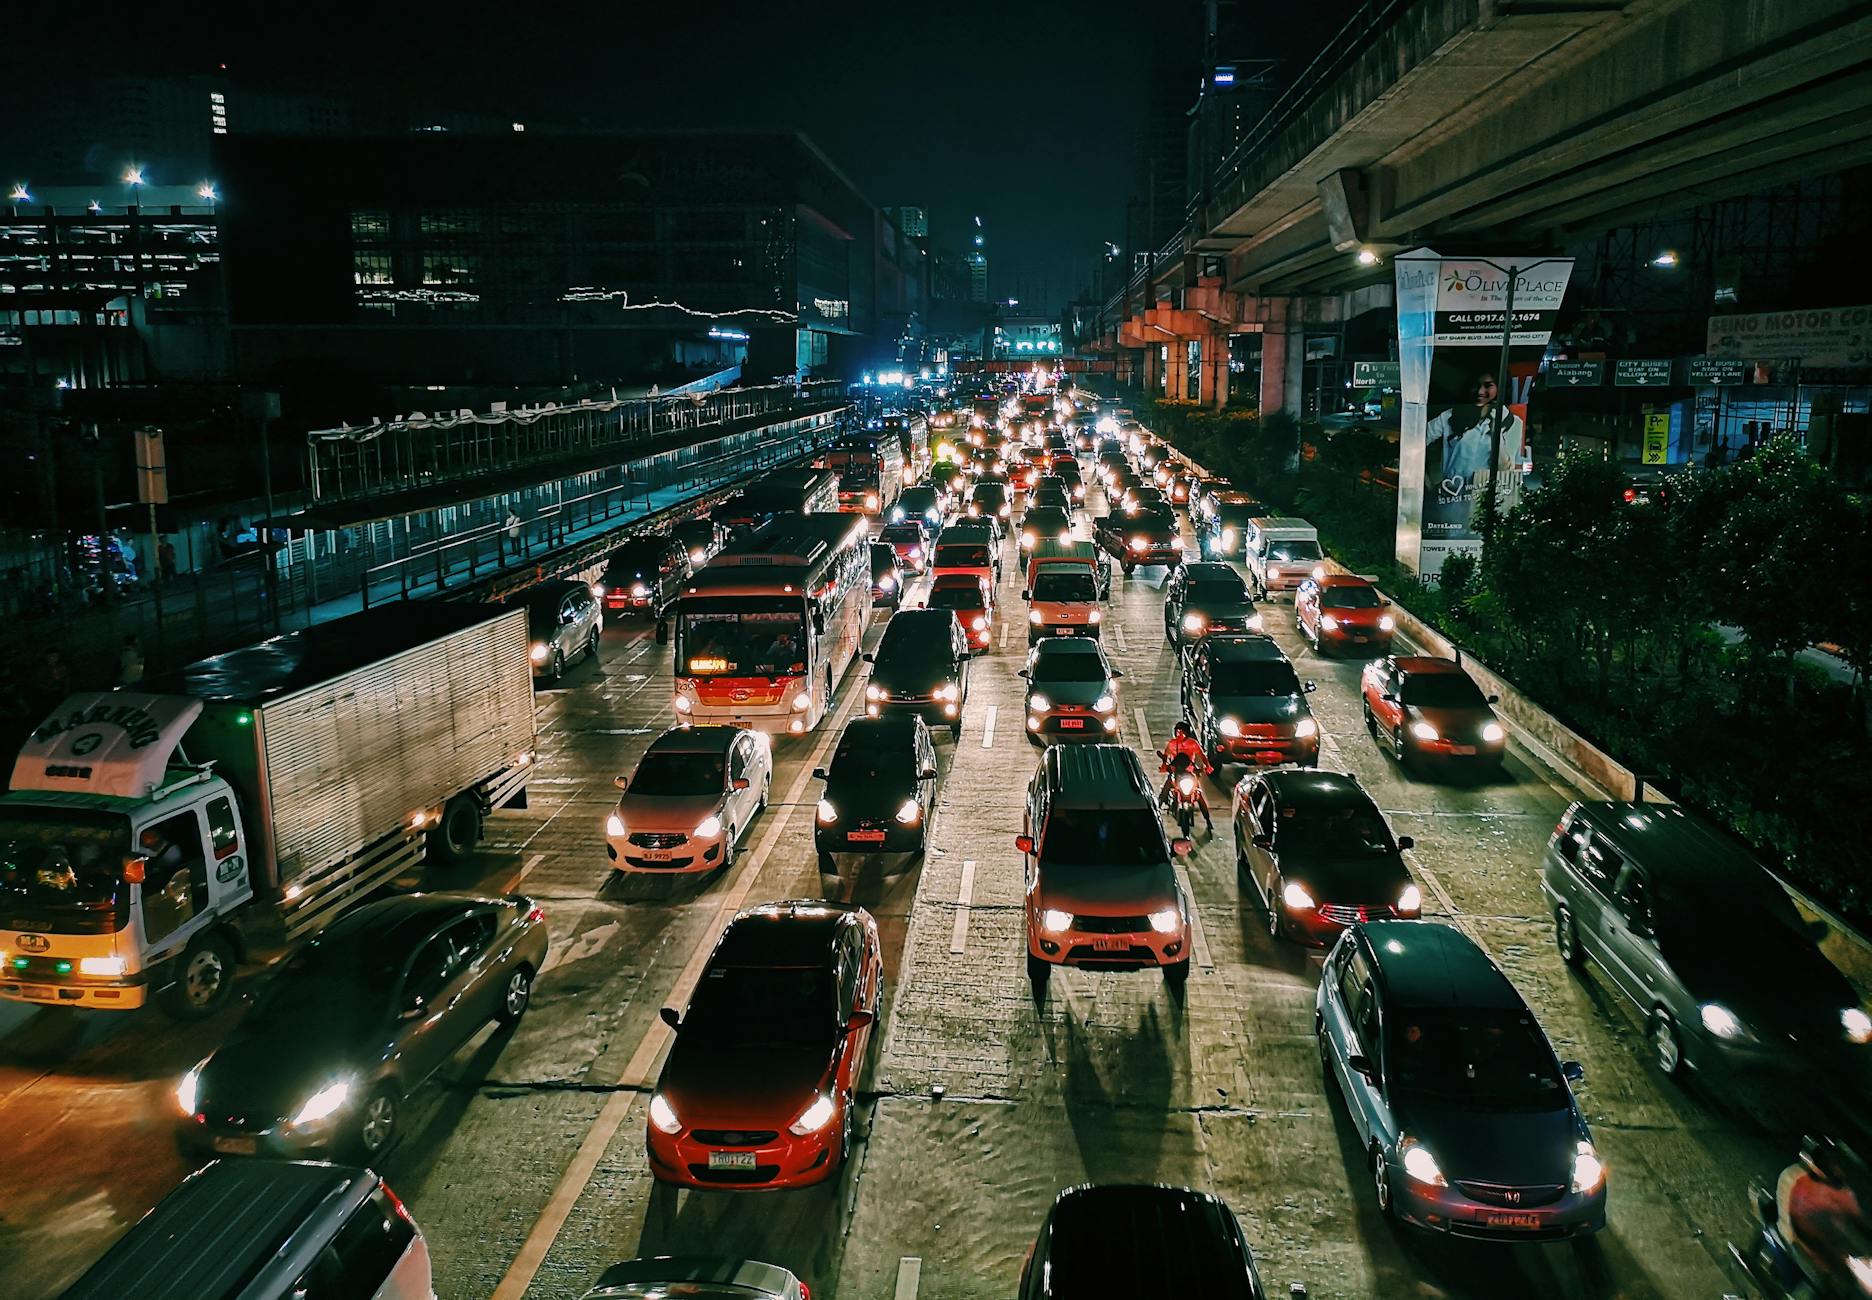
(731,1160)
(1072,724)
(1462,749)
(865,837)
(1512,1220)
(235,1146)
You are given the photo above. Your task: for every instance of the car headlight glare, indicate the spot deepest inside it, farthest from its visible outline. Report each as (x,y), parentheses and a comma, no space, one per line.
(910,811)
(639,590)
(1386,623)
(614,826)
(323,1104)
(1306,729)
(980,623)
(684,704)
(188,1090)
(1165,921)
(1137,543)
(1095,616)
(1035,616)
(1229,727)
(1493,733)
(709,825)
(887,583)
(1194,622)
(1104,704)
(539,653)
(1038,703)
(1228,537)
(108,967)
(802,701)
(663,1115)
(1722,1022)
(827,813)
(1329,623)
(1054,921)
(698,555)
(1176,543)
(1857,1024)
(1319,571)
(1588,1168)
(1273,574)
(814,1117)
(1419,1163)
(875,693)
(1423,731)
(1296,896)
(1186,784)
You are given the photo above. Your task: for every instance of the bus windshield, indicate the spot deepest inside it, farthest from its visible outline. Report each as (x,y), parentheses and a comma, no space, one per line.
(61,858)
(753,639)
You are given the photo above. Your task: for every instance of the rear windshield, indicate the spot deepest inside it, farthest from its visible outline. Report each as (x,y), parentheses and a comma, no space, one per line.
(1118,837)
(902,533)
(1254,677)
(963,554)
(1058,583)
(1485,1059)
(1349,598)
(1442,691)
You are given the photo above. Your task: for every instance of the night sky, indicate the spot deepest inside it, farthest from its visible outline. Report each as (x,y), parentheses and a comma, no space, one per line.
(1024,114)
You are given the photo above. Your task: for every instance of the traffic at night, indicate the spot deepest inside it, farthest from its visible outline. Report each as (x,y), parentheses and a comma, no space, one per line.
(655,728)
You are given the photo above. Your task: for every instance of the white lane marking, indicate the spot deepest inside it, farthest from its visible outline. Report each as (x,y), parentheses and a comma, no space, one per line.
(1143,730)
(909,1277)
(1198,940)
(636,1076)
(958,940)
(988,721)
(1007,626)
(1118,637)
(526,869)
(589,944)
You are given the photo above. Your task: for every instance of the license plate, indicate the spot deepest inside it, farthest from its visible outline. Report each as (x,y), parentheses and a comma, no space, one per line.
(1063,631)
(731,1160)
(1072,724)
(1462,749)
(1112,944)
(865,837)
(1512,1220)
(38,991)
(235,1146)
(658,855)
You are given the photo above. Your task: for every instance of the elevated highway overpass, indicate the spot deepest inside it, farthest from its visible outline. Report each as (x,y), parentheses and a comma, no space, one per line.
(1458,123)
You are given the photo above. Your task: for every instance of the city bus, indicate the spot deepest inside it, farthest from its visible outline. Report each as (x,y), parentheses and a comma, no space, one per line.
(913,434)
(870,469)
(767,629)
(811,491)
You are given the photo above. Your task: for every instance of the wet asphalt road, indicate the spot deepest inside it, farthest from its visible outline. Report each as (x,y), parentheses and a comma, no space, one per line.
(523,1160)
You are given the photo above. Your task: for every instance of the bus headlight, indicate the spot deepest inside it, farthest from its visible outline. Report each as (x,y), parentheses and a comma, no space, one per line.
(684,704)
(1095,616)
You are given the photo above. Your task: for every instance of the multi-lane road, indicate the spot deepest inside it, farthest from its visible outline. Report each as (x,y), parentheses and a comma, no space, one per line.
(524,1161)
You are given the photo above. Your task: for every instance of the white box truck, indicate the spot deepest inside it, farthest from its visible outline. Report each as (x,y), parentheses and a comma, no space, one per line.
(151,834)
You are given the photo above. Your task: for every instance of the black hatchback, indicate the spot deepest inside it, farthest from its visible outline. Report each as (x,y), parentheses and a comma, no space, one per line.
(921,667)
(879,791)
(1138,1240)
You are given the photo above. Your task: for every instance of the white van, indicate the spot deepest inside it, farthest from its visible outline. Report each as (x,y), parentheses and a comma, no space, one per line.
(1282,553)
(268,1230)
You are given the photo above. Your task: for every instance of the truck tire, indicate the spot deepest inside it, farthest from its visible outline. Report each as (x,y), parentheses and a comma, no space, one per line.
(457,832)
(204,978)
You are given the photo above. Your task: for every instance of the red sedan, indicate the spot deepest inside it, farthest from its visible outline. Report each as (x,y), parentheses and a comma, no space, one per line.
(1342,612)
(1420,707)
(757,1090)
(968,596)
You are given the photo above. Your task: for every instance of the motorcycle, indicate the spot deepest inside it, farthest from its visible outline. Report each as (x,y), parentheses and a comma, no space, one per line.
(1185,794)
(1784,1271)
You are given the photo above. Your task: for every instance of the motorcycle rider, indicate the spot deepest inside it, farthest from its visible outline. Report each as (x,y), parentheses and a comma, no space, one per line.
(1822,1216)
(1184,751)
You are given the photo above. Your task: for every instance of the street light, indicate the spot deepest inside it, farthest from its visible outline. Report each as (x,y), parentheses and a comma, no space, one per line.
(206,191)
(1367,258)
(1667,258)
(20,194)
(133,175)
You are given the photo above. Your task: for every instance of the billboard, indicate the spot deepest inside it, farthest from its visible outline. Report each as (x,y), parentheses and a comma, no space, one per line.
(1820,336)
(1459,408)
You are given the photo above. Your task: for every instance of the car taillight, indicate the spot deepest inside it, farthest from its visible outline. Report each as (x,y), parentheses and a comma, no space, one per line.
(396,1203)
(537,914)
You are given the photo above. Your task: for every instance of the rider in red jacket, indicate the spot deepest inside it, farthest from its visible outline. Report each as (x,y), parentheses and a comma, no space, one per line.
(1184,747)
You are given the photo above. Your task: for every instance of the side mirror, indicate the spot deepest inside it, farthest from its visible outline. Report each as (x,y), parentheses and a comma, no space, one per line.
(1021,673)
(929,774)
(742,783)
(1309,687)
(1362,1065)
(670,1017)
(1767,1206)
(1117,673)
(1024,843)
(1405,842)
(870,658)
(1026,594)
(859,1020)
(1264,841)
(1182,847)
(1494,699)
(818,774)
(1572,1071)
(621,782)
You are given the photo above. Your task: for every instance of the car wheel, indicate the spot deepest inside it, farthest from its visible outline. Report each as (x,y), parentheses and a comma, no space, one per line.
(1666,1047)
(1371,720)
(1325,1054)
(558,665)
(766,787)
(204,978)
(1397,744)
(955,729)
(1566,938)
(377,1124)
(1276,923)
(727,849)
(845,1133)
(828,865)
(591,646)
(1176,974)
(516,997)
(1381,1181)
(1038,971)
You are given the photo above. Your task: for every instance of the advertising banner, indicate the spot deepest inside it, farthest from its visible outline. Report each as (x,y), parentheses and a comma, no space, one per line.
(1458,405)
(1821,336)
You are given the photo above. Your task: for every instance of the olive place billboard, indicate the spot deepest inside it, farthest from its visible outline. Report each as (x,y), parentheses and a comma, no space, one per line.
(1451,318)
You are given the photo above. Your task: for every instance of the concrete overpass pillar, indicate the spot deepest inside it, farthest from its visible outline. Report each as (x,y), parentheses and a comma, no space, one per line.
(1215,372)
(1283,362)
(1179,369)
(1153,370)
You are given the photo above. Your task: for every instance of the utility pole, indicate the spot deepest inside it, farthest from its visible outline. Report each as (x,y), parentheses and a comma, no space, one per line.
(1495,416)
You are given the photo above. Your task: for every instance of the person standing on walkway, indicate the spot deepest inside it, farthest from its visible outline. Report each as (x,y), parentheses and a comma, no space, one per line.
(130,662)
(166,561)
(512,527)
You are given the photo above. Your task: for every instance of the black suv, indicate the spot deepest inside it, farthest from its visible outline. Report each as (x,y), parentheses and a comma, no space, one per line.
(1246,703)
(1204,598)
(646,573)
(921,667)
(879,791)
(1130,1240)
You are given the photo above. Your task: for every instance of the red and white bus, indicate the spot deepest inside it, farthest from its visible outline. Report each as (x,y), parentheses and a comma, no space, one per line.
(870,469)
(767,629)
